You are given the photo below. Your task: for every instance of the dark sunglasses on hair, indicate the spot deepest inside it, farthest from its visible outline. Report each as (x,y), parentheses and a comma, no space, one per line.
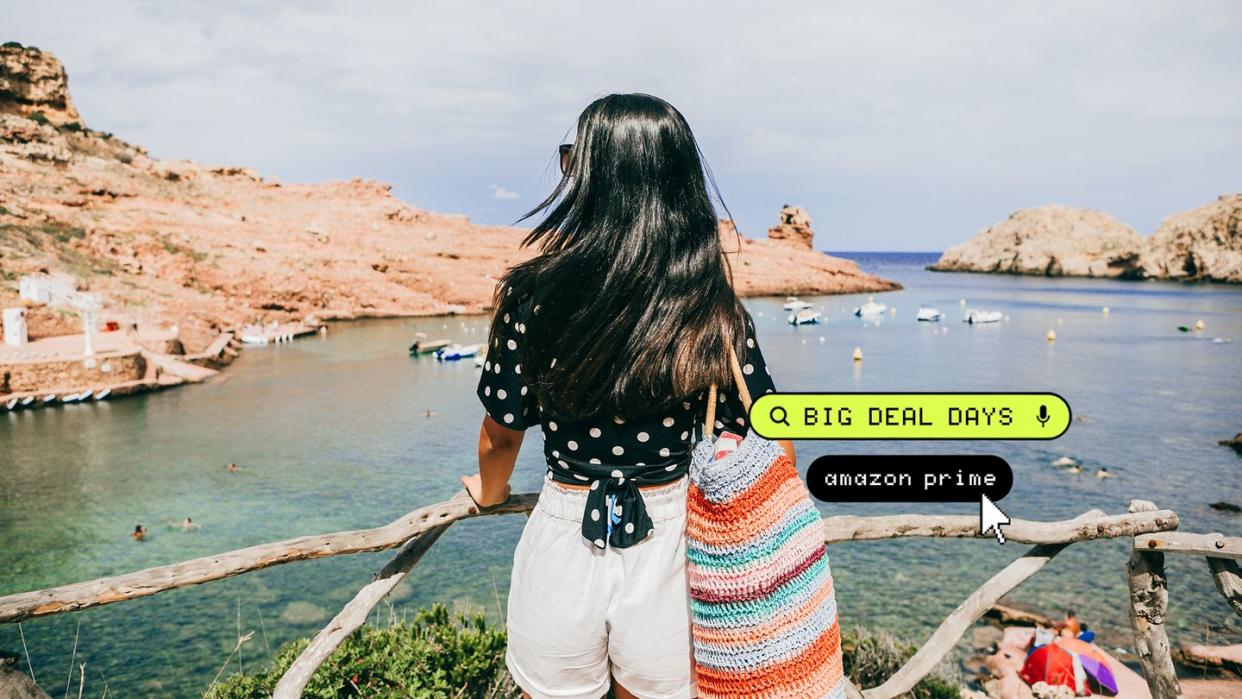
(566,149)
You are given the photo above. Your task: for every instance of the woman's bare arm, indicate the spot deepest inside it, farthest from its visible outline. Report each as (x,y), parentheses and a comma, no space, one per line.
(498,450)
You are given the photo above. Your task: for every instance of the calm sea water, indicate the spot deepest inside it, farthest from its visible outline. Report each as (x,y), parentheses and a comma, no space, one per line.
(333,433)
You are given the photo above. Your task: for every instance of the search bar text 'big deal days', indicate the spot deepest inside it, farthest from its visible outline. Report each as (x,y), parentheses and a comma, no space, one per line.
(910,416)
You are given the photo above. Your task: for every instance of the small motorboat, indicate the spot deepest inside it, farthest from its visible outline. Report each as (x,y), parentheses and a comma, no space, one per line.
(27,400)
(249,338)
(103,394)
(975,317)
(49,398)
(11,404)
(928,314)
(454,352)
(792,303)
(804,317)
(870,308)
(424,346)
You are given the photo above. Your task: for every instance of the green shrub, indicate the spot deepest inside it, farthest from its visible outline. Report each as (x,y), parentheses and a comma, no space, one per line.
(39,118)
(12,45)
(72,126)
(442,655)
(435,655)
(871,657)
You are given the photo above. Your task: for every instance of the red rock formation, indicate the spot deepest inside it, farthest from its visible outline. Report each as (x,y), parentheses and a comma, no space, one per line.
(209,248)
(794,228)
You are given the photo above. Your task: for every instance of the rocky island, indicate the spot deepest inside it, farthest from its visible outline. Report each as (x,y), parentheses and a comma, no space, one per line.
(179,256)
(1203,244)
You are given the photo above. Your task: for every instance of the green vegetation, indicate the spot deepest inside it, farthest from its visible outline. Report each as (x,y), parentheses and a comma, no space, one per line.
(435,655)
(439,654)
(12,45)
(39,242)
(39,118)
(871,657)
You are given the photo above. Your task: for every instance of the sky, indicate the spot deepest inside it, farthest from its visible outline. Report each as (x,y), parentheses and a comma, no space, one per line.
(897,126)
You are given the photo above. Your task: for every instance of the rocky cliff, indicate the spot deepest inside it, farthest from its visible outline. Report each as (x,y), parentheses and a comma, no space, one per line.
(1049,240)
(208,248)
(1203,244)
(1200,244)
(34,83)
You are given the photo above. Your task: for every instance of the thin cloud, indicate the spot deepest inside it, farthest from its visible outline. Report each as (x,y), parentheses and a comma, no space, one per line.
(901,125)
(499,192)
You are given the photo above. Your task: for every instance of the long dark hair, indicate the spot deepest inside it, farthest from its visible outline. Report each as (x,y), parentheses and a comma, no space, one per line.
(633,305)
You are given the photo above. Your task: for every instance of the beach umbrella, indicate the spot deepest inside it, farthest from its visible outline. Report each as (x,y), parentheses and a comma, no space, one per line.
(1054,665)
(1094,662)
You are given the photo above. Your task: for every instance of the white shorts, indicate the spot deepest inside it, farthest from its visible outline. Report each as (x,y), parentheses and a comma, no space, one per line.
(578,614)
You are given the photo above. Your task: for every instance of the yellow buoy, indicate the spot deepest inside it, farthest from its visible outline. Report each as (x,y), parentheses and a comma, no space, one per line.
(858,354)
(1199,324)
(1052,335)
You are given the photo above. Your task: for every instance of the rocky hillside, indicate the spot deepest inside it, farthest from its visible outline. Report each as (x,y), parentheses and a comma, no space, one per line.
(207,247)
(1204,244)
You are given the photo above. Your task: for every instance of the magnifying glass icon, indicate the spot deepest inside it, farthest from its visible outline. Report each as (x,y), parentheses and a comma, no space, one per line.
(778,414)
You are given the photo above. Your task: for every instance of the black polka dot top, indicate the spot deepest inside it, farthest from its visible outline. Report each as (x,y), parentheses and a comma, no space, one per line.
(611,454)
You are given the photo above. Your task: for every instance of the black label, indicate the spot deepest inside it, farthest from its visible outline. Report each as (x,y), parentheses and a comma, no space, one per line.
(909,478)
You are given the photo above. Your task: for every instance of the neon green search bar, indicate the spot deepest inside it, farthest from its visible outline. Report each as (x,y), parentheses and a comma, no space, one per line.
(910,416)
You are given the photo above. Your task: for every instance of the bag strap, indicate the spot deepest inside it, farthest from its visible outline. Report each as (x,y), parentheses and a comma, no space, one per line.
(739,379)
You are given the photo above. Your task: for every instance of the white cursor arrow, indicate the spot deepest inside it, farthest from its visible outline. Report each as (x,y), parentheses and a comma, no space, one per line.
(991,517)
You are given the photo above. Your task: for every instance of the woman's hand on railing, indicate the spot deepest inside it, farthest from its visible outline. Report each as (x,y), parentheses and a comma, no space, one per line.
(489,496)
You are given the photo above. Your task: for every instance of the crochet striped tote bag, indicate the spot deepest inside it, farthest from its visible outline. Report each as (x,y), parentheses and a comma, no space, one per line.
(763,614)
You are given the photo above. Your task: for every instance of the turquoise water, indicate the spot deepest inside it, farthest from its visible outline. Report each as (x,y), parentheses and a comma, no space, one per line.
(332,433)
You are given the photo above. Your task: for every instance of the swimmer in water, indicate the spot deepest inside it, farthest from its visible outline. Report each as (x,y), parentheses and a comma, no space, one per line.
(188,524)
(232,468)
(1075,469)
(1103,473)
(140,532)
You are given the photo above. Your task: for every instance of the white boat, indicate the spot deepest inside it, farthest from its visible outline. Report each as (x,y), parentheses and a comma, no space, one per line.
(10,405)
(455,352)
(929,314)
(793,304)
(49,398)
(27,400)
(251,339)
(804,317)
(103,394)
(425,346)
(975,316)
(870,308)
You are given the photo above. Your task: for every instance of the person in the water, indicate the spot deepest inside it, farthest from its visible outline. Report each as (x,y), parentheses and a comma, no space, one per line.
(140,532)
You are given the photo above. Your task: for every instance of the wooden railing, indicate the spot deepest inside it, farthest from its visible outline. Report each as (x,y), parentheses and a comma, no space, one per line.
(417,531)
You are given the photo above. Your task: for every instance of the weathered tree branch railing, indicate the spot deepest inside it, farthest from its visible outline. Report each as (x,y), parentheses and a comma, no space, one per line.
(417,531)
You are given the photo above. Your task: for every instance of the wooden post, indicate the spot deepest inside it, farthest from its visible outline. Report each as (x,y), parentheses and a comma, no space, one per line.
(1149,601)
(1228,578)
(353,615)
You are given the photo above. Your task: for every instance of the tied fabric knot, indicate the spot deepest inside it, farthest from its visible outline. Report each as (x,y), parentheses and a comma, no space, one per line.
(616,514)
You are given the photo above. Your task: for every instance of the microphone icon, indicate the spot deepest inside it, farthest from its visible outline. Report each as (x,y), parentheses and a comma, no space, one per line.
(1043,416)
